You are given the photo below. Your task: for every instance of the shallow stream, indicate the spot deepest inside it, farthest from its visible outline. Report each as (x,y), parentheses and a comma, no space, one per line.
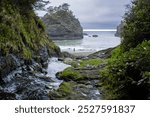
(55,66)
(26,83)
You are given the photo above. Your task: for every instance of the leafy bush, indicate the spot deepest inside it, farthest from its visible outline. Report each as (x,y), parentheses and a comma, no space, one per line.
(128,76)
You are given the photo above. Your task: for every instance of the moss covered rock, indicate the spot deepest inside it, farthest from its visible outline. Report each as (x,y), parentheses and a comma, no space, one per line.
(69,74)
(22,35)
(74,91)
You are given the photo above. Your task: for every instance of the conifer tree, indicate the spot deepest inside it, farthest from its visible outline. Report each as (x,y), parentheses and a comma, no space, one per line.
(136,24)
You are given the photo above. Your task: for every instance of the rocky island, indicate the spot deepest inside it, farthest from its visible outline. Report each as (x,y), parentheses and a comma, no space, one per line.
(62,24)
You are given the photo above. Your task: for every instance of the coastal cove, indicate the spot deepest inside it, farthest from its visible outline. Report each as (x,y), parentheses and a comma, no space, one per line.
(53,57)
(89,44)
(86,57)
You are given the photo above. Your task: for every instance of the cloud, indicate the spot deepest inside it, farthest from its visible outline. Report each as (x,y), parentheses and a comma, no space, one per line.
(96,11)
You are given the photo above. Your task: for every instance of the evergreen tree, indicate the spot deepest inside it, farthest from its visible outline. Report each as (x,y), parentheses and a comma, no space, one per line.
(127,75)
(136,24)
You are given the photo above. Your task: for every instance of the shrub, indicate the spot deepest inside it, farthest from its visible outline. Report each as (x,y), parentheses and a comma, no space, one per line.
(136,25)
(128,76)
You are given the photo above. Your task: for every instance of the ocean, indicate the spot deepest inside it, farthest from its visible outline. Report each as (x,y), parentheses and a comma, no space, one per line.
(89,44)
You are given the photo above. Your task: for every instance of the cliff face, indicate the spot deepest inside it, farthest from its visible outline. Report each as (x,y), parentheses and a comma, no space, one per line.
(22,37)
(24,52)
(61,24)
(119,29)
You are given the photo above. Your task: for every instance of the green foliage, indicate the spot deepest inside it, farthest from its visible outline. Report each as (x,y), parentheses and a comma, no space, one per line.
(66,88)
(70,74)
(25,5)
(21,32)
(136,25)
(128,76)
(116,53)
(26,53)
(62,13)
(65,91)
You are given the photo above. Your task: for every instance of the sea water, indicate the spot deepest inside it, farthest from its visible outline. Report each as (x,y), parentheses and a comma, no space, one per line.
(104,40)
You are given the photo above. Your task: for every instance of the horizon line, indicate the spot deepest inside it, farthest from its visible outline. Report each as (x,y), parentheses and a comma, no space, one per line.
(99,30)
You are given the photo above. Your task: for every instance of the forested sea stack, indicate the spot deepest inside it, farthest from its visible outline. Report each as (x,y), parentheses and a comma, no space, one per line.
(61,23)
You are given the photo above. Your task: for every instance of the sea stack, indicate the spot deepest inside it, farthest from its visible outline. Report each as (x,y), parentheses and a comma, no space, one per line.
(62,24)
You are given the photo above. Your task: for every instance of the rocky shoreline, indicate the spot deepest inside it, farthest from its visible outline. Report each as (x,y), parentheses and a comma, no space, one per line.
(24,79)
(82,81)
(31,82)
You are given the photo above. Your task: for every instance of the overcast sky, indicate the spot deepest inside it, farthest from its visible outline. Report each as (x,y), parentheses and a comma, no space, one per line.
(96,13)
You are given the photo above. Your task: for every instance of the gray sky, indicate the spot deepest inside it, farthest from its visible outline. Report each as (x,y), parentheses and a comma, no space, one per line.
(96,13)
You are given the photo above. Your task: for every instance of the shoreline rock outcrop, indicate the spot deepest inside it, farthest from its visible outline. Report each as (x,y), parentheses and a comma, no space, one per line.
(24,50)
(61,24)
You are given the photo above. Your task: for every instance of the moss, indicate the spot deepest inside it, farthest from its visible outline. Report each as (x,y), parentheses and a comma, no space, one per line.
(63,92)
(92,62)
(68,91)
(74,64)
(70,74)
(89,62)
(66,87)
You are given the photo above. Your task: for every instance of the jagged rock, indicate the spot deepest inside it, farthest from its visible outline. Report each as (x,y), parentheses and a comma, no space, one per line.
(7,64)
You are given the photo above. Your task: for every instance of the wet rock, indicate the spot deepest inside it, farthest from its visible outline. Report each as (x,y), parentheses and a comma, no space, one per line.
(75,91)
(30,82)
(27,87)
(68,60)
(101,54)
(94,35)
(43,53)
(7,96)
(7,64)
(78,75)
(67,55)
(60,59)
